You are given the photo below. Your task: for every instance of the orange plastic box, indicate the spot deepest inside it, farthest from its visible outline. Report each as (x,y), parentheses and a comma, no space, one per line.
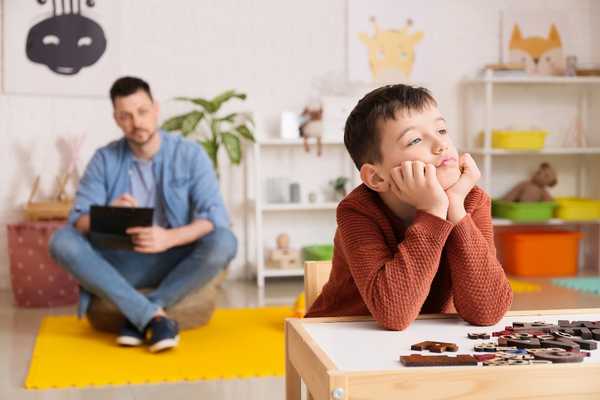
(540,253)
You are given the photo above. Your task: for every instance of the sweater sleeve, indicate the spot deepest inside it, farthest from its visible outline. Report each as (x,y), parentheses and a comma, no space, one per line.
(393,284)
(481,291)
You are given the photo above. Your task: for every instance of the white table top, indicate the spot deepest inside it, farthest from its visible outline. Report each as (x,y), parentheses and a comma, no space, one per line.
(364,346)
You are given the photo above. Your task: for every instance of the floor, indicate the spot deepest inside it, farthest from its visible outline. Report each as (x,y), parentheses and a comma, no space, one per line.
(18,328)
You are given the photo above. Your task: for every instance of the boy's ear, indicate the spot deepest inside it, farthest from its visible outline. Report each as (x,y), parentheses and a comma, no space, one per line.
(369,174)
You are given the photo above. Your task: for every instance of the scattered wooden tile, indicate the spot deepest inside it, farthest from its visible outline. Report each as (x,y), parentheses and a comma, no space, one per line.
(559,356)
(531,343)
(478,335)
(484,357)
(419,360)
(434,347)
(563,344)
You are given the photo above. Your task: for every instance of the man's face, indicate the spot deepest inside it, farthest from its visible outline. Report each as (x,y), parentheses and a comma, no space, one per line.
(418,136)
(137,116)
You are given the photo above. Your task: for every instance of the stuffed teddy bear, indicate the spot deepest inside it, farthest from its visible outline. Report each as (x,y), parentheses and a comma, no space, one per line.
(534,189)
(312,124)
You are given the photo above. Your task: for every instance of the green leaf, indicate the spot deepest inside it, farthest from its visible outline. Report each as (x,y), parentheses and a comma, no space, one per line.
(245,132)
(191,121)
(233,147)
(212,149)
(215,128)
(174,123)
(229,118)
(226,96)
(208,106)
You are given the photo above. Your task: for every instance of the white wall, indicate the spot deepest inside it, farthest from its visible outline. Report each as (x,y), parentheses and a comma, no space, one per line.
(271,49)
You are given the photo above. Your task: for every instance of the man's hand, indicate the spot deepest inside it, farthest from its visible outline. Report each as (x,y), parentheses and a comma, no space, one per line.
(151,239)
(125,200)
(416,184)
(457,193)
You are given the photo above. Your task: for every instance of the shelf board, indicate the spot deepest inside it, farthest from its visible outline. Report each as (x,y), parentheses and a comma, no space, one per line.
(537,80)
(298,142)
(299,206)
(271,272)
(546,151)
(553,221)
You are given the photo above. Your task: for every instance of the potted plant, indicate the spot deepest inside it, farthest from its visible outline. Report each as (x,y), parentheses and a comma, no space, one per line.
(339,187)
(215,130)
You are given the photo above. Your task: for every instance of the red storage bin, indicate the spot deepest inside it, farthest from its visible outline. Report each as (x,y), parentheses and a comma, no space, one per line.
(36,279)
(540,253)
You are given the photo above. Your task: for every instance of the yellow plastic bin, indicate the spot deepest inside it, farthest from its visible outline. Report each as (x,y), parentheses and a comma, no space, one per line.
(577,209)
(517,140)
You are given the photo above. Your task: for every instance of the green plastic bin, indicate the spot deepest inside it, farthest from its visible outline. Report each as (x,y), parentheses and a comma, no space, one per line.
(534,211)
(318,252)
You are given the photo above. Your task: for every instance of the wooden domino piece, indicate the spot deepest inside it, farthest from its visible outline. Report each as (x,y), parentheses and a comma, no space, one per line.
(434,347)
(586,324)
(584,333)
(559,356)
(579,324)
(478,335)
(419,360)
(534,326)
(583,344)
(487,347)
(563,344)
(531,343)
(484,357)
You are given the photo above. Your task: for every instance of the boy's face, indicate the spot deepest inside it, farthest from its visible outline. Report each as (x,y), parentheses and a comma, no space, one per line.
(418,136)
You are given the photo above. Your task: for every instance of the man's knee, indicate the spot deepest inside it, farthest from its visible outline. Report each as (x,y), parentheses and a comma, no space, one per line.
(64,244)
(221,244)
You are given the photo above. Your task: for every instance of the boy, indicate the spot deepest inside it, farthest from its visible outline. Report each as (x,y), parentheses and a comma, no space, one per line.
(416,236)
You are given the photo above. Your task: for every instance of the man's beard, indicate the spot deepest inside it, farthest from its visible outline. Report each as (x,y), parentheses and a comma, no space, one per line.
(139,143)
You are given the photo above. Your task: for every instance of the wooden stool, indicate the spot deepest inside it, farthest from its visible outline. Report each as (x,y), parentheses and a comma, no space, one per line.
(193,311)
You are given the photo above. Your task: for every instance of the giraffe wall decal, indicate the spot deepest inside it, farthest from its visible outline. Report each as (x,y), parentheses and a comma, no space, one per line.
(391,52)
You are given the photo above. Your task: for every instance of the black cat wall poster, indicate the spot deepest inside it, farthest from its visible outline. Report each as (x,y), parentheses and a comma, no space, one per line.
(61,47)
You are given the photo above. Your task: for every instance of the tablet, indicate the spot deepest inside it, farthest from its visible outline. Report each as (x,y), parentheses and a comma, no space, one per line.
(108,225)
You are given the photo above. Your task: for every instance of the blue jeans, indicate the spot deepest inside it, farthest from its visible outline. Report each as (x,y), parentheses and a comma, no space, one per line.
(116,274)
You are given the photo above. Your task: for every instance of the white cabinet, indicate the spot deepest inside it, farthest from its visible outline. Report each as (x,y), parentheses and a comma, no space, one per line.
(305,222)
(548,86)
(557,99)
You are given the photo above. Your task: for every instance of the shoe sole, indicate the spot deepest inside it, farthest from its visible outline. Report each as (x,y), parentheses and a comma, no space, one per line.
(164,344)
(129,341)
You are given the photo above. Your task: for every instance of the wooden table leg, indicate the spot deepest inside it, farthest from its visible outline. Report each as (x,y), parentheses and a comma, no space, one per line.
(292,381)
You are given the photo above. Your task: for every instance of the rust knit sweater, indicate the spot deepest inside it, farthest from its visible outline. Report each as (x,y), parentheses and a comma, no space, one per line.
(394,272)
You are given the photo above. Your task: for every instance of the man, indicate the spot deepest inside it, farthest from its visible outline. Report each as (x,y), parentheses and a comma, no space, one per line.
(189,242)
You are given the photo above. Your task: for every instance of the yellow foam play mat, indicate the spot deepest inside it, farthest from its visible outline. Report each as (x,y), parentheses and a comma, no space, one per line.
(523,287)
(237,343)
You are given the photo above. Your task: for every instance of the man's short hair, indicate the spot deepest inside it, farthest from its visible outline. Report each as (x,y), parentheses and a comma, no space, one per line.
(361,138)
(128,85)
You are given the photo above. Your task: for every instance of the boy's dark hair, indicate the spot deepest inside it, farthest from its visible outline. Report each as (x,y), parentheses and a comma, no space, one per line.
(361,138)
(128,85)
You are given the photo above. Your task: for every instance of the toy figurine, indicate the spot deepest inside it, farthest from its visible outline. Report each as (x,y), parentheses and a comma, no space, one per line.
(534,189)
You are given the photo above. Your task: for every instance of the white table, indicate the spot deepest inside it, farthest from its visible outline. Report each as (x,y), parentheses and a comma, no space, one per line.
(354,358)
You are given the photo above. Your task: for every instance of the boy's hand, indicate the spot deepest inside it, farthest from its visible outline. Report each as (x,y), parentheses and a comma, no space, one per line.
(151,239)
(416,184)
(457,193)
